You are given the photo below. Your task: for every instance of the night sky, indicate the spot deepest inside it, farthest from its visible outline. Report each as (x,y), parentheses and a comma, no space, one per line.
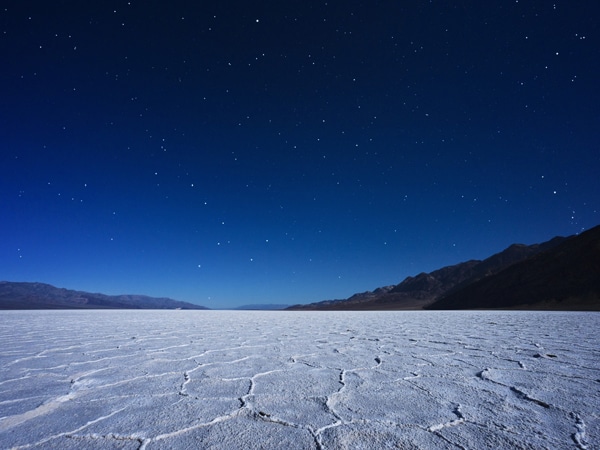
(238,152)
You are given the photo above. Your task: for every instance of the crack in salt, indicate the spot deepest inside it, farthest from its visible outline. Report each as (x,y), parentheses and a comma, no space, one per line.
(460,420)
(102,437)
(12,421)
(527,397)
(71,433)
(181,431)
(485,375)
(186,380)
(579,436)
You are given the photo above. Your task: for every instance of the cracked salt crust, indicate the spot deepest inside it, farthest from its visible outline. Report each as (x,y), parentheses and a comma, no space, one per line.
(299,380)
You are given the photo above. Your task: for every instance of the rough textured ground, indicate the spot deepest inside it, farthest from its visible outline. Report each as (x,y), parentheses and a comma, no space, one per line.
(299,380)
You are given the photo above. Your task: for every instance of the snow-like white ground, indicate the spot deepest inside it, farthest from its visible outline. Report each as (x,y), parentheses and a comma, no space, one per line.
(299,380)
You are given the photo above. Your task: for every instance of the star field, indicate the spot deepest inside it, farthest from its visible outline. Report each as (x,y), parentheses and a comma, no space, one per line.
(228,153)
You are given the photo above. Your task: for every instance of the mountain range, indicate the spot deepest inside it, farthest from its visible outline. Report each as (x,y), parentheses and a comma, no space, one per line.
(562,274)
(22,295)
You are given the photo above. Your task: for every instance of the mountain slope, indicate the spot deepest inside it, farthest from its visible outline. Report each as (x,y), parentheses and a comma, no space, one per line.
(15,295)
(423,289)
(564,277)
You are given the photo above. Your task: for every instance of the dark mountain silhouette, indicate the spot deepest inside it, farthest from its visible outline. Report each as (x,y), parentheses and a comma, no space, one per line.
(14,295)
(426,288)
(564,277)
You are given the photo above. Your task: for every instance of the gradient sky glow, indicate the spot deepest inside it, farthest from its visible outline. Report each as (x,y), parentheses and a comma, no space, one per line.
(235,152)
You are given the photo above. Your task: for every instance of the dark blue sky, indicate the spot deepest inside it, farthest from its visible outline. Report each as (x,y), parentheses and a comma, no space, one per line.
(234,152)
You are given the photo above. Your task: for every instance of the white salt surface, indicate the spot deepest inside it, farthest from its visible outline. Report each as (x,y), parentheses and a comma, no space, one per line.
(299,380)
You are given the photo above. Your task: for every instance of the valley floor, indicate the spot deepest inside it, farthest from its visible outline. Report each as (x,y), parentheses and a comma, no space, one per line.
(299,380)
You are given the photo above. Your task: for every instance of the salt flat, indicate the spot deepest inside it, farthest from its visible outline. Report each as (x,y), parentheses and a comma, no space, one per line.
(299,380)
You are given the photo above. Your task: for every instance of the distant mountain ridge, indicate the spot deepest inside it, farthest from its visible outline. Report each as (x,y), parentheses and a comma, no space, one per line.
(562,273)
(566,276)
(24,295)
(457,282)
